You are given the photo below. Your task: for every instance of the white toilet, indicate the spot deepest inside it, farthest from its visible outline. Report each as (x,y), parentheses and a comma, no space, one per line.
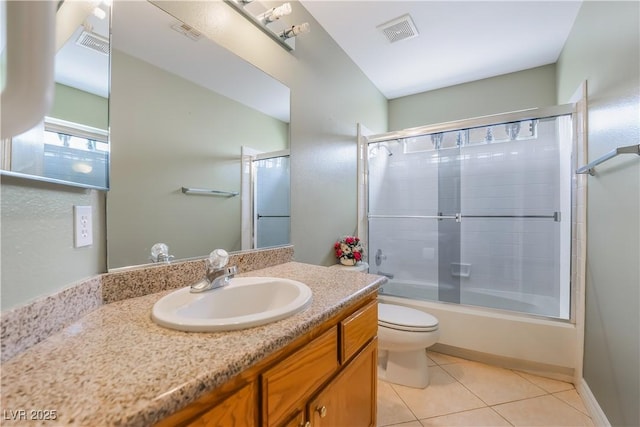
(403,335)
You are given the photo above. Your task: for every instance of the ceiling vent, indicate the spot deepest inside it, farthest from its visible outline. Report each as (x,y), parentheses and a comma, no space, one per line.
(187,30)
(401,28)
(94,42)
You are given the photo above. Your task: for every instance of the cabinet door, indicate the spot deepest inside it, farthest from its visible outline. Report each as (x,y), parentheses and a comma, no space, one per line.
(288,385)
(350,399)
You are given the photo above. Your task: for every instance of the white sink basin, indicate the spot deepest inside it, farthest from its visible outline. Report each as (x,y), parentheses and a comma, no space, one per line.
(243,303)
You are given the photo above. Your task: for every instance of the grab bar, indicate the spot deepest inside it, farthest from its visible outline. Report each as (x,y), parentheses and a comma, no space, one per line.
(588,168)
(207,192)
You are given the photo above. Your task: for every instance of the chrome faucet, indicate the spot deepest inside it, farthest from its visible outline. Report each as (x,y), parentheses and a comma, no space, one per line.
(218,274)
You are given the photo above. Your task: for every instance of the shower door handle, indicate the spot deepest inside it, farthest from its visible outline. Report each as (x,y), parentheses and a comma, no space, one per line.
(456,216)
(439,216)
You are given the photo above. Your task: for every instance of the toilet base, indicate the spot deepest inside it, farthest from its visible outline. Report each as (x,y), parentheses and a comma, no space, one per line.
(408,368)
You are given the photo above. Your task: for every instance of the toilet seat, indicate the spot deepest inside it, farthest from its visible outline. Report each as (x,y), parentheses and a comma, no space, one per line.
(405,318)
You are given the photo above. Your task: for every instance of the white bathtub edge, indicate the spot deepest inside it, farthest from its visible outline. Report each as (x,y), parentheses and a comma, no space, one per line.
(538,342)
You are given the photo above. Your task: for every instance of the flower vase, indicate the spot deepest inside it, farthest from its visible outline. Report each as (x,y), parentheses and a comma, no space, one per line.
(348,261)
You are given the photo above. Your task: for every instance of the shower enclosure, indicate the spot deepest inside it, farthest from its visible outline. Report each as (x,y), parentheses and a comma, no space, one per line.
(475,212)
(265,202)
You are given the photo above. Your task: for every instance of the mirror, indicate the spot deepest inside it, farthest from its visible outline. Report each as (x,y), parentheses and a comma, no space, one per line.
(181,111)
(71,145)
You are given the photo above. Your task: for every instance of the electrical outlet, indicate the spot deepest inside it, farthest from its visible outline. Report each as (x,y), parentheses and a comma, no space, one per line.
(83,228)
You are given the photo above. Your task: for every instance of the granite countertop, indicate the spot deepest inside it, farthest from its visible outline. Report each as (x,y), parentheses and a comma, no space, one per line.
(115,366)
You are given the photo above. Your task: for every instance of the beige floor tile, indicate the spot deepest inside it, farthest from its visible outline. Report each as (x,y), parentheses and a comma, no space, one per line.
(431,362)
(547,384)
(443,396)
(409,424)
(491,384)
(486,417)
(391,409)
(572,398)
(542,411)
(443,359)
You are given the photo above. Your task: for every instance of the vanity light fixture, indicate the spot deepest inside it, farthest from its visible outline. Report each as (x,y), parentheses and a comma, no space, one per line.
(275,13)
(268,20)
(295,31)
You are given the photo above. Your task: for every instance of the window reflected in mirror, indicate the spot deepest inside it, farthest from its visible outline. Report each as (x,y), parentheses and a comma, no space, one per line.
(71,145)
(76,153)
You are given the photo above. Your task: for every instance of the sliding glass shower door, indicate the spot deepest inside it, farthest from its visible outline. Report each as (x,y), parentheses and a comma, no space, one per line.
(272,188)
(477,216)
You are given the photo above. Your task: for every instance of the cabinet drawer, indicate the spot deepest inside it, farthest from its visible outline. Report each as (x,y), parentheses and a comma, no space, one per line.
(357,330)
(238,409)
(298,376)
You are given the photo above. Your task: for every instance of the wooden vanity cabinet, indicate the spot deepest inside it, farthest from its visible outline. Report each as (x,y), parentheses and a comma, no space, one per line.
(347,400)
(239,409)
(327,378)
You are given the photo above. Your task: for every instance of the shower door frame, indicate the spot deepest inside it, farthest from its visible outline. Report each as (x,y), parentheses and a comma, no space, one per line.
(364,140)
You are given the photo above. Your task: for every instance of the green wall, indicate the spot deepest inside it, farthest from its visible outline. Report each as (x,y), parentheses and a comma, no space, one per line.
(531,88)
(77,106)
(603,49)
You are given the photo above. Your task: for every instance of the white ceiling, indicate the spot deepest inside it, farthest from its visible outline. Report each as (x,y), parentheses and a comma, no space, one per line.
(458,42)
(79,67)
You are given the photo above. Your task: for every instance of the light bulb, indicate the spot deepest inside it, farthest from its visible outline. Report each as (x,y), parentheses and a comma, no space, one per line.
(295,31)
(275,13)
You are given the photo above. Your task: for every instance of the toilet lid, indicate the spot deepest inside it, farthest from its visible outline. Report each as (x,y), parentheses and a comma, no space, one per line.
(405,318)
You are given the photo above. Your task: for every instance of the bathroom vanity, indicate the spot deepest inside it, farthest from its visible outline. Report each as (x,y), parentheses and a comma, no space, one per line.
(325,378)
(115,366)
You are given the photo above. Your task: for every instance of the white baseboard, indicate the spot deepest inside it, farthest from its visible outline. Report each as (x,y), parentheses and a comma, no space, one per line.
(597,415)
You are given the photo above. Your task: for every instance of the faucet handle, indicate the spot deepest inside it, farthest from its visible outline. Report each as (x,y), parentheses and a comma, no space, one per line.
(160,253)
(218,259)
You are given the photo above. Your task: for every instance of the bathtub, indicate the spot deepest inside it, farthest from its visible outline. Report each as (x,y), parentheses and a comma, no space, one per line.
(491,298)
(519,341)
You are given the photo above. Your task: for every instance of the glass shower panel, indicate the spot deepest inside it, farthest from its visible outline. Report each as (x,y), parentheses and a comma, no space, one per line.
(404,229)
(511,211)
(272,201)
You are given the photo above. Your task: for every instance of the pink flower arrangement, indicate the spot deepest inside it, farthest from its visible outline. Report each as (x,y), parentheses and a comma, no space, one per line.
(348,250)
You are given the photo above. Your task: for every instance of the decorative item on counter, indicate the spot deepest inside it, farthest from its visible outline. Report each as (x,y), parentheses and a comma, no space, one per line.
(348,250)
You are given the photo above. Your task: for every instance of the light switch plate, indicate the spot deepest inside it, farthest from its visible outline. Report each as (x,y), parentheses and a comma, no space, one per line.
(83,228)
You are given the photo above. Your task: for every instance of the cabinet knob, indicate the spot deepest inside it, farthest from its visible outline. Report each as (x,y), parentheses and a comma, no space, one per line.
(322,411)
(307,424)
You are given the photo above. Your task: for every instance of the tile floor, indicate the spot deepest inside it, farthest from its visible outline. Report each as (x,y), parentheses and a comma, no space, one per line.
(466,393)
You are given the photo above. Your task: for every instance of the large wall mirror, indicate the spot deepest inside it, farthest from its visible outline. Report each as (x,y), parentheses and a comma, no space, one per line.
(71,144)
(200,143)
